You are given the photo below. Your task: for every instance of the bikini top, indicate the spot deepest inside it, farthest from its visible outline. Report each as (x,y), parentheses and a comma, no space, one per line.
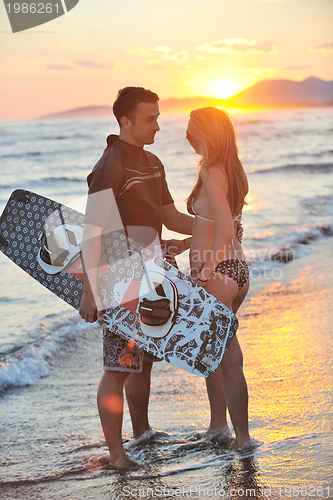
(237,218)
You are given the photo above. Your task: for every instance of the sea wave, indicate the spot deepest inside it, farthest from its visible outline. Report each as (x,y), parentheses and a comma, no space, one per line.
(302,167)
(58,179)
(252,121)
(62,137)
(12,155)
(50,153)
(31,363)
(21,155)
(283,248)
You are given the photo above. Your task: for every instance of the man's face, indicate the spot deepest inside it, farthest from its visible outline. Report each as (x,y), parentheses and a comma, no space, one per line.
(145,125)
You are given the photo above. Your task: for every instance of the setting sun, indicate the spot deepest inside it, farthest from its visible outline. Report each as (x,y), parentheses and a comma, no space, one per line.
(225,89)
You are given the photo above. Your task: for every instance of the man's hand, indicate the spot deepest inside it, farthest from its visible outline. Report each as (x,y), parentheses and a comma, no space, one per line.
(175,247)
(88,307)
(90,253)
(240,232)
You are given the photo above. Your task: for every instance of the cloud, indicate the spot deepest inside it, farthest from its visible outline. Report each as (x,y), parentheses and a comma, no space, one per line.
(156,64)
(178,57)
(161,51)
(93,65)
(139,51)
(325,47)
(297,68)
(58,67)
(255,71)
(82,64)
(238,46)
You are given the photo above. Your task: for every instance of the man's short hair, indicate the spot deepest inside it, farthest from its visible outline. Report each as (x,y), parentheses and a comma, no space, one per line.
(127,100)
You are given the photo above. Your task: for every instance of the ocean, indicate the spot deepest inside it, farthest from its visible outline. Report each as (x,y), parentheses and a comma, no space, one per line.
(51,361)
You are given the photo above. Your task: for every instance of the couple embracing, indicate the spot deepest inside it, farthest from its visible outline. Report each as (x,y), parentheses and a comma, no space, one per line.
(139,192)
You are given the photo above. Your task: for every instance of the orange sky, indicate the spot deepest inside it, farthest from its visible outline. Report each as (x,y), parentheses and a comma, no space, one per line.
(176,48)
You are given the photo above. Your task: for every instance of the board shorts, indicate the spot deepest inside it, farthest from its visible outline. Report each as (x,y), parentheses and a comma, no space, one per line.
(123,356)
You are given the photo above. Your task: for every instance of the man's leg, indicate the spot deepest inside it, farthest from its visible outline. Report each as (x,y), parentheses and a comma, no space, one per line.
(110,403)
(120,359)
(137,388)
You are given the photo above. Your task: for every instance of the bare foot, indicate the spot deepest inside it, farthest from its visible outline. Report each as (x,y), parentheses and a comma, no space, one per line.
(96,461)
(123,462)
(150,436)
(142,432)
(225,431)
(247,445)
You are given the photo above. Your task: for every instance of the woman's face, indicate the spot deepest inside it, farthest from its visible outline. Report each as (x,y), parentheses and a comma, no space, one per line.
(191,136)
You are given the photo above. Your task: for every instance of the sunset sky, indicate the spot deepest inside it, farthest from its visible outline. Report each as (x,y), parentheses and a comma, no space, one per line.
(178,48)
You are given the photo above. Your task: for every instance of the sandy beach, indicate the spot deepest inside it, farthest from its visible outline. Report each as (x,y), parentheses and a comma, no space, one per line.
(287,341)
(51,361)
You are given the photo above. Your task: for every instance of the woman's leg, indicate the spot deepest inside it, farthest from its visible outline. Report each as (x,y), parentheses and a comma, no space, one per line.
(240,297)
(218,406)
(236,395)
(231,390)
(214,384)
(218,286)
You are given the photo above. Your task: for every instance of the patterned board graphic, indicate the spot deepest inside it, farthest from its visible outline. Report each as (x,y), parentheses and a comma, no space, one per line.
(202,328)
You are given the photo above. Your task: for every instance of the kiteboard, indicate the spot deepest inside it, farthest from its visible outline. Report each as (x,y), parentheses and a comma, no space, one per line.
(144,298)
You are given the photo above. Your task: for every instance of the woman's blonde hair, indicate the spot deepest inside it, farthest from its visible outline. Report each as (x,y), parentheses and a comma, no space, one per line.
(215,135)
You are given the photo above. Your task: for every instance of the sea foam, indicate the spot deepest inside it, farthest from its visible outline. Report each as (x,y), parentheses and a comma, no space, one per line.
(31,363)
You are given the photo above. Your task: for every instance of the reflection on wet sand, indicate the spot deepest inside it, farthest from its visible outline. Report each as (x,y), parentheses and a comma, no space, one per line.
(239,479)
(287,341)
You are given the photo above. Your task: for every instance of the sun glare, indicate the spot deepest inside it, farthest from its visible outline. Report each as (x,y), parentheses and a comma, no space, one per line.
(225,89)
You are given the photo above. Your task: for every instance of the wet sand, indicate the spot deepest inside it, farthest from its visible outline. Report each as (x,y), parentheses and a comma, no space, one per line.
(287,341)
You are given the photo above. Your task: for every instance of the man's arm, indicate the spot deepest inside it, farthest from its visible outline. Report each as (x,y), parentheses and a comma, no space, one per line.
(180,223)
(90,254)
(177,221)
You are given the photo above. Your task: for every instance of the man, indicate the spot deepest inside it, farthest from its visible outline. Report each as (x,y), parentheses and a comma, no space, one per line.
(132,181)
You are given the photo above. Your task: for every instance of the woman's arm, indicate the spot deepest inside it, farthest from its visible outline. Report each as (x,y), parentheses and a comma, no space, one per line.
(216,187)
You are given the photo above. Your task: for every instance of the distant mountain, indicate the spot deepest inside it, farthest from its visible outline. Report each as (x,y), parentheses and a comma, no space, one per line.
(189,103)
(86,112)
(311,91)
(268,93)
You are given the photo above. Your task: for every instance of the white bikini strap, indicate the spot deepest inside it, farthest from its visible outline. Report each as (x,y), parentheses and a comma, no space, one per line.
(238,218)
(200,216)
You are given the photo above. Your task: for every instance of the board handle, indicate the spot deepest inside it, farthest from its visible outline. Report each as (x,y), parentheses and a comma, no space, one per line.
(3,242)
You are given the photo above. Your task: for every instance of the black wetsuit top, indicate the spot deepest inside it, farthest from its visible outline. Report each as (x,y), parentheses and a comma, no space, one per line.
(137,178)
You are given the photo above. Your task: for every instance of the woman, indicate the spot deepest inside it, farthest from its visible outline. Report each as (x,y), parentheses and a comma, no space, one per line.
(216,256)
